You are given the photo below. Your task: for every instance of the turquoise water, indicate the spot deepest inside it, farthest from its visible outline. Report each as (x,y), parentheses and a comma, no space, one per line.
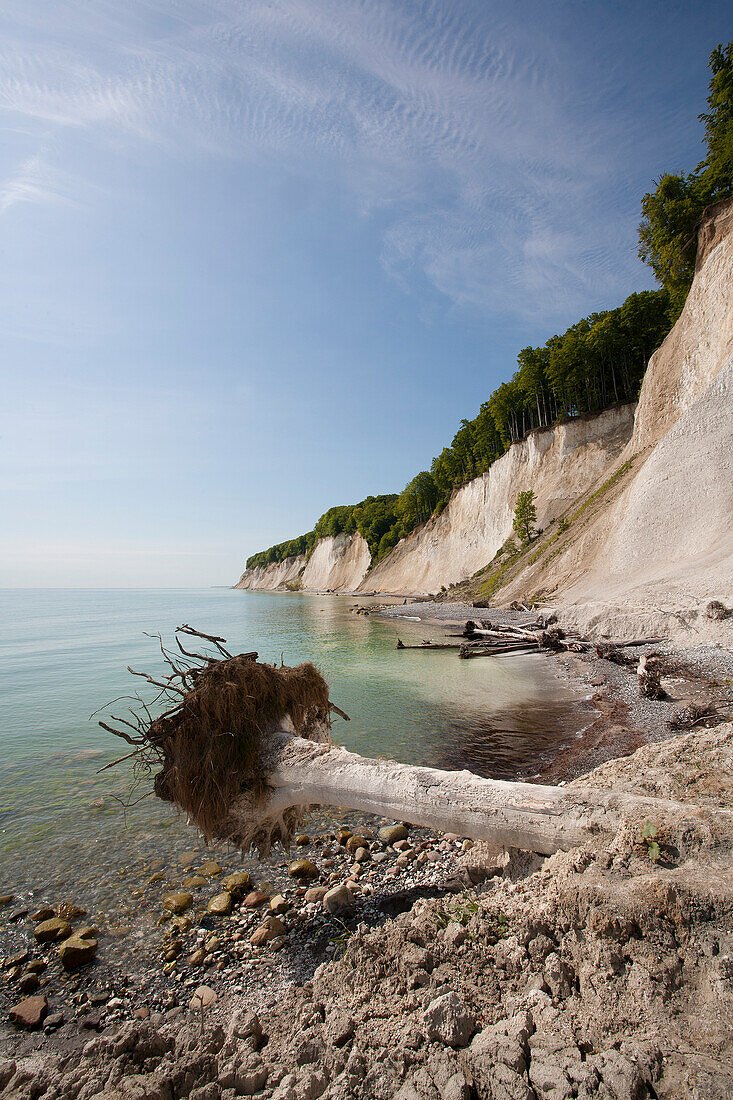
(67,830)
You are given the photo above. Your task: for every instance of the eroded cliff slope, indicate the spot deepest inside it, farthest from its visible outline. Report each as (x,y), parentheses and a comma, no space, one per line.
(557,463)
(661,545)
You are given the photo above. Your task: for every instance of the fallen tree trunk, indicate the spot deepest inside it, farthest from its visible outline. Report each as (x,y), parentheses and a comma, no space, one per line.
(536,818)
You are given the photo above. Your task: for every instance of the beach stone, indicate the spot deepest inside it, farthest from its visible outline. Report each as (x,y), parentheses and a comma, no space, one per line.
(303,839)
(35,966)
(220,905)
(44,914)
(87,932)
(392,833)
(316,893)
(210,868)
(28,983)
(177,902)
(279,904)
(303,868)
(204,997)
(15,960)
(187,859)
(197,958)
(68,910)
(355,842)
(255,899)
(447,1020)
(338,900)
(343,835)
(361,855)
(51,931)
(157,877)
(269,930)
(237,884)
(195,882)
(76,951)
(53,1022)
(29,1013)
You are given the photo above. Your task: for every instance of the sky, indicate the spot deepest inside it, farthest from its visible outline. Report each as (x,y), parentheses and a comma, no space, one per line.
(260,257)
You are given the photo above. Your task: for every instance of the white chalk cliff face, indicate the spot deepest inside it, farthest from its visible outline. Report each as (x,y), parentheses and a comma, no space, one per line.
(557,463)
(337,564)
(664,544)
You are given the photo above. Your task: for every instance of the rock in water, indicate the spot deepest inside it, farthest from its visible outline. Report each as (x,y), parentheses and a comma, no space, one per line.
(237,884)
(76,951)
(221,904)
(177,903)
(51,931)
(29,1013)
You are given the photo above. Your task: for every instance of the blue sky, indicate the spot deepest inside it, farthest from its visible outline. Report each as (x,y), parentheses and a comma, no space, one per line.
(259,258)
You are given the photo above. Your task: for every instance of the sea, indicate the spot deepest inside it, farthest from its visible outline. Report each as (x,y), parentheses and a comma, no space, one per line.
(72,828)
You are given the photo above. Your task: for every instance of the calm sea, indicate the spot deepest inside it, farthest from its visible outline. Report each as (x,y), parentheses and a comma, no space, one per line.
(67,830)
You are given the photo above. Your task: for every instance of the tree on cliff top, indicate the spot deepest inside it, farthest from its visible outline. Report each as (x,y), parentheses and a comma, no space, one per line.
(670,213)
(525,516)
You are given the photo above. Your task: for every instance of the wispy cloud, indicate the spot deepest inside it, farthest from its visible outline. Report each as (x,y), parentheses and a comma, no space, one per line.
(461,126)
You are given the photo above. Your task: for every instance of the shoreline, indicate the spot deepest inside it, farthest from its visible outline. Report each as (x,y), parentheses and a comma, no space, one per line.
(391,896)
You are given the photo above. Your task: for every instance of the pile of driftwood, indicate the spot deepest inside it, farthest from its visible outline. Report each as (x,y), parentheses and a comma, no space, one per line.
(486,639)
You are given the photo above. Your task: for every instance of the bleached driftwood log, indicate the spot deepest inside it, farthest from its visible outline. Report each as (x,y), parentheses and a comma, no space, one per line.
(520,815)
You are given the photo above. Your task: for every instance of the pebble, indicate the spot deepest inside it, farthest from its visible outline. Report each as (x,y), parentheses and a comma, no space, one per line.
(355,842)
(210,868)
(197,958)
(270,930)
(361,855)
(43,914)
(255,899)
(391,834)
(53,1021)
(302,840)
(338,900)
(193,882)
(279,904)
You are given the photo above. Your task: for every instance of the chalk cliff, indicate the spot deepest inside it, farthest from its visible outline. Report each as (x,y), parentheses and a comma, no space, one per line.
(662,544)
(337,564)
(557,463)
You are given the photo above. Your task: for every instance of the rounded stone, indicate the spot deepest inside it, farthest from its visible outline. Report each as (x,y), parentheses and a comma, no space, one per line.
(177,902)
(203,998)
(195,882)
(237,884)
(303,868)
(221,904)
(356,842)
(210,868)
(392,833)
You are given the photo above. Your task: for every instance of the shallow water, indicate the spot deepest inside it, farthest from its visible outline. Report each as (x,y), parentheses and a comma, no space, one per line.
(68,831)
